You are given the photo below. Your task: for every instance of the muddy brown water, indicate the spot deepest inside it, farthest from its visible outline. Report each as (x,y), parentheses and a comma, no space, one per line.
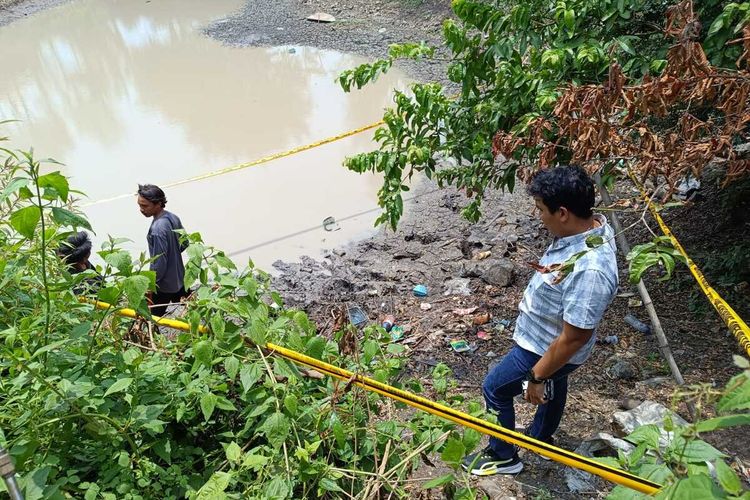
(126,92)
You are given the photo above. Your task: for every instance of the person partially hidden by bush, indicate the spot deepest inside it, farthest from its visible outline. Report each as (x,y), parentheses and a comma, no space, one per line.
(75,252)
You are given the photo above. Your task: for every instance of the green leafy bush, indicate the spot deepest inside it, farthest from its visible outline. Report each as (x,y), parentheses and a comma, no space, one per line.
(687,466)
(98,406)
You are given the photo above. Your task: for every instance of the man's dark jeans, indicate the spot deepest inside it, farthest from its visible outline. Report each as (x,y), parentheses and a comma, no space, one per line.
(162,299)
(503,383)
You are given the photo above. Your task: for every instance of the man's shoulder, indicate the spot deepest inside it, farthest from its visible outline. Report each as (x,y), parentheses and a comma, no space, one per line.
(162,224)
(600,261)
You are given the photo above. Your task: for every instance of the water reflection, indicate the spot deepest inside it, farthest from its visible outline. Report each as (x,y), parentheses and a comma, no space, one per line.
(126,92)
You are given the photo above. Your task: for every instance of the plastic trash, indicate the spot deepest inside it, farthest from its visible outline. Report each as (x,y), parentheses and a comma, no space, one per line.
(357,316)
(637,324)
(397,333)
(484,335)
(460,345)
(420,291)
(330,224)
(388,322)
(425,306)
(609,339)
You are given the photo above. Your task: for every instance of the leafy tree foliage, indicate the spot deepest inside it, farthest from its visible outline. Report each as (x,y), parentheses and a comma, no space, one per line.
(510,60)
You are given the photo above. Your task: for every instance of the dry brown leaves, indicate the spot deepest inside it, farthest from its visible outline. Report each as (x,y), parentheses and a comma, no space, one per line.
(704,108)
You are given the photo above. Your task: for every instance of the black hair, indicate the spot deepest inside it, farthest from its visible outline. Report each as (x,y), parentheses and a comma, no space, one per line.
(76,248)
(152,193)
(569,187)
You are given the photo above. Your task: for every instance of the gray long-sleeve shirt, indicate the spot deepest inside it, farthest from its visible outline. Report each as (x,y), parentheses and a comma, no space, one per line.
(164,243)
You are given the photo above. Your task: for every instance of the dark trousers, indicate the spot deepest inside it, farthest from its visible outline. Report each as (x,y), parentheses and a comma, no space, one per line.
(503,383)
(162,299)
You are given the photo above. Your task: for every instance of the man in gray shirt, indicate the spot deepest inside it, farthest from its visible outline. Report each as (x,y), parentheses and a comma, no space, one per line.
(163,244)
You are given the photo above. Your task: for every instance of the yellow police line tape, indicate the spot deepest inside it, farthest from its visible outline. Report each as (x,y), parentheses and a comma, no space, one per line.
(736,325)
(249,164)
(565,457)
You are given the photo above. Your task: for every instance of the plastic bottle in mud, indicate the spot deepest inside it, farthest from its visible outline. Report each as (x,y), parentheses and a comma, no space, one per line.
(388,322)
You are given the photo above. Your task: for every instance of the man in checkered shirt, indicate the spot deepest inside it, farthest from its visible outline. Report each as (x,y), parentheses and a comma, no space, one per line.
(556,326)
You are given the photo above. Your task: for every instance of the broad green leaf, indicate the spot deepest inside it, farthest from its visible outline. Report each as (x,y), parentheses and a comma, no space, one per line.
(56,181)
(277,488)
(329,484)
(625,45)
(208,403)
(728,479)
(135,288)
(109,295)
(121,260)
(249,375)
(233,452)
(453,451)
(722,422)
(471,439)
(119,386)
(231,366)
(438,481)
(275,428)
(254,462)
(257,332)
(738,397)
(69,219)
(696,451)
(338,430)
(594,241)
(36,482)
(214,488)
(13,186)
(291,405)
(163,448)
(25,220)
(648,434)
(370,349)
(658,473)
(623,493)
(223,403)
(696,487)
(315,347)
(52,346)
(217,324)
(203,352)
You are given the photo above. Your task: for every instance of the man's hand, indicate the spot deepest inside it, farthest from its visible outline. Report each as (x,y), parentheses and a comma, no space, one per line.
(535,394)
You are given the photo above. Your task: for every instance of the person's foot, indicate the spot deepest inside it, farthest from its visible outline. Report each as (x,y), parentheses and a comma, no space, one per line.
(486,463)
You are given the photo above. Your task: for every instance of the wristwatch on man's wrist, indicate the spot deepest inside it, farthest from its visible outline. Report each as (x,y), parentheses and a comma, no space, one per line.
(532,378)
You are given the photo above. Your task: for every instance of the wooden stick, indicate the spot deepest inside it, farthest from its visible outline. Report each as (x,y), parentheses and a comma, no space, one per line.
(622,242)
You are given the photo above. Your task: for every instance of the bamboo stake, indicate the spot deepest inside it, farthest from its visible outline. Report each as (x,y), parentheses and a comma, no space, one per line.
(662,341)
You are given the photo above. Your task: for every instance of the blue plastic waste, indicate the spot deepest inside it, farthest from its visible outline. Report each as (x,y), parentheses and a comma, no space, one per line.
(637,324)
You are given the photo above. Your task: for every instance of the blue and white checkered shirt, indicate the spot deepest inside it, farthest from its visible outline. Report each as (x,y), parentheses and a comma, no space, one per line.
(580,299)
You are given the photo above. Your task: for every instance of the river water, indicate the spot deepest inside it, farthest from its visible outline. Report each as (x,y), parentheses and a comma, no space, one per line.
(127,92)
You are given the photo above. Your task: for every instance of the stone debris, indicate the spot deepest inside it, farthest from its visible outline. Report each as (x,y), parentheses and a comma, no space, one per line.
(321,17)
